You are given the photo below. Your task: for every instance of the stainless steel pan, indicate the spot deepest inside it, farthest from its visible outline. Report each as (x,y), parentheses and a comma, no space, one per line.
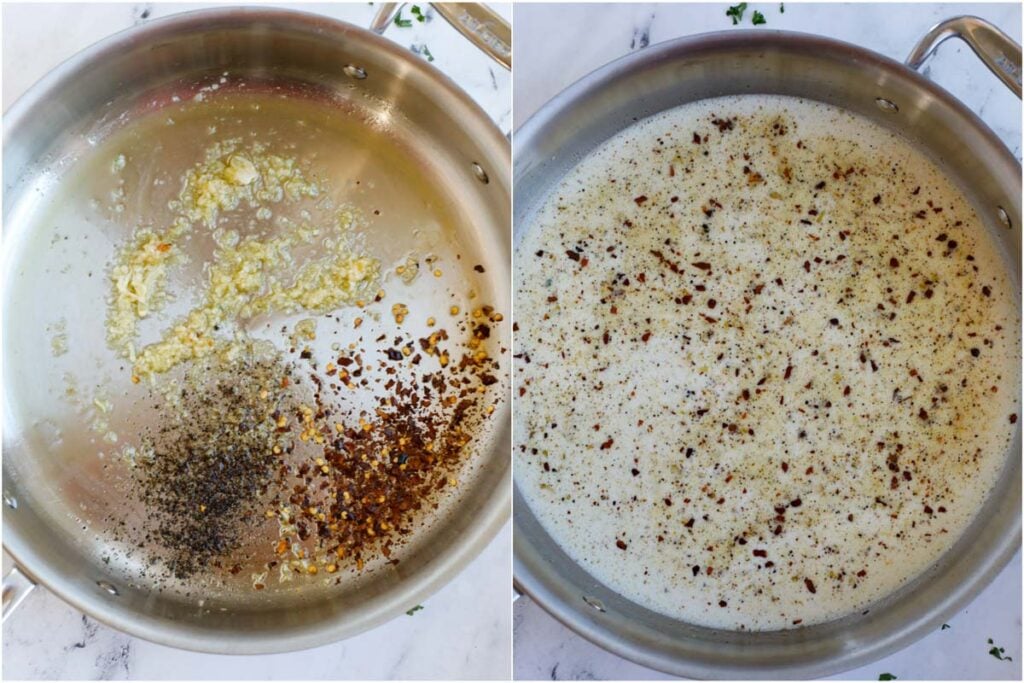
(675,72)
(422,147)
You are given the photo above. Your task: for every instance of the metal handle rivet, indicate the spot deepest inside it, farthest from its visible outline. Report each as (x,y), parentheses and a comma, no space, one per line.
(1004,217)
(595,603)
(354,72)
(11,501)
(480,173)
(107,586)
(887,106)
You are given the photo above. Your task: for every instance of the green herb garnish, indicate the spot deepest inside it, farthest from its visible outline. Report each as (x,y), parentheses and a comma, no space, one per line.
(782,8)
(998,652)
(886,677)
(426,53)
(400,22)
(736,12)
(414,610)
(418,13)
(944,627)
(757,19)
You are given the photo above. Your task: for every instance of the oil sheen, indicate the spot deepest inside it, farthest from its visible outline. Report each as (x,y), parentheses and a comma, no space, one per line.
(766,363)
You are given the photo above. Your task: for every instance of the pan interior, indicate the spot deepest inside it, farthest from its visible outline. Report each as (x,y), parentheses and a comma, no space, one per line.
(71,406)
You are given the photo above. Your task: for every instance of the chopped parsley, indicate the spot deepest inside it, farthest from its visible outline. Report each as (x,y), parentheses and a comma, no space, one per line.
(736,12)
(782,8)
(418,13)
(400,22)
(944,627)
(886,677)
(414,610)
(998,652)
(426,53)
(757,19)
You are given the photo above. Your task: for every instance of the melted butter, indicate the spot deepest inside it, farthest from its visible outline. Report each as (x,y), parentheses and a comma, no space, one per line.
(767,364)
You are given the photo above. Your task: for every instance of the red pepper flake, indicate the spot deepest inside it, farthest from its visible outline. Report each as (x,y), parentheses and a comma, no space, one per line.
(894,263)
(810,585)
(788,373)
(785,467)
(923,414)
(986,290)
(620,544)
(862,573)
(846,390)
(703,265)
(1013,418)
(760,553)
(722,603)
(572,255)
(696,138)
(696,569)
(910,297)
(928,509)
(877,198)
(607,444)
(796,502)
(646,336)
(606,337)
(712,303)
(669,264)
(640,200)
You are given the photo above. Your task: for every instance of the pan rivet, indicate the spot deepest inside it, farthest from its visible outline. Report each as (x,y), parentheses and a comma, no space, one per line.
(886,105)
(595,603)
(355,72)
(109,587)
(480,173)
(11,501)
(1004,217)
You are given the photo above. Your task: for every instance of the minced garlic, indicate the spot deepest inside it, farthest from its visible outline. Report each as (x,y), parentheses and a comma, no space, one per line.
(228,177)
(247,277)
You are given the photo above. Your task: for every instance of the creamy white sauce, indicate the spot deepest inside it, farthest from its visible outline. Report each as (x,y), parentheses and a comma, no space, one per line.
(778,374)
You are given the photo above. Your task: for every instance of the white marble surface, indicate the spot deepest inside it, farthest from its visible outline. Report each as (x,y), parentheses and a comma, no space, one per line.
(464,630)
(579,38)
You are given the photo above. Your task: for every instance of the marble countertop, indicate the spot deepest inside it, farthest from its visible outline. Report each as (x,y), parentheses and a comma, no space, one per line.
(579,38)
(463,631)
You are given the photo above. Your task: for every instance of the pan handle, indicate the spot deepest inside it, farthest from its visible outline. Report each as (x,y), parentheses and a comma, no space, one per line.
(17,586)
(480,24)
(997,50)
